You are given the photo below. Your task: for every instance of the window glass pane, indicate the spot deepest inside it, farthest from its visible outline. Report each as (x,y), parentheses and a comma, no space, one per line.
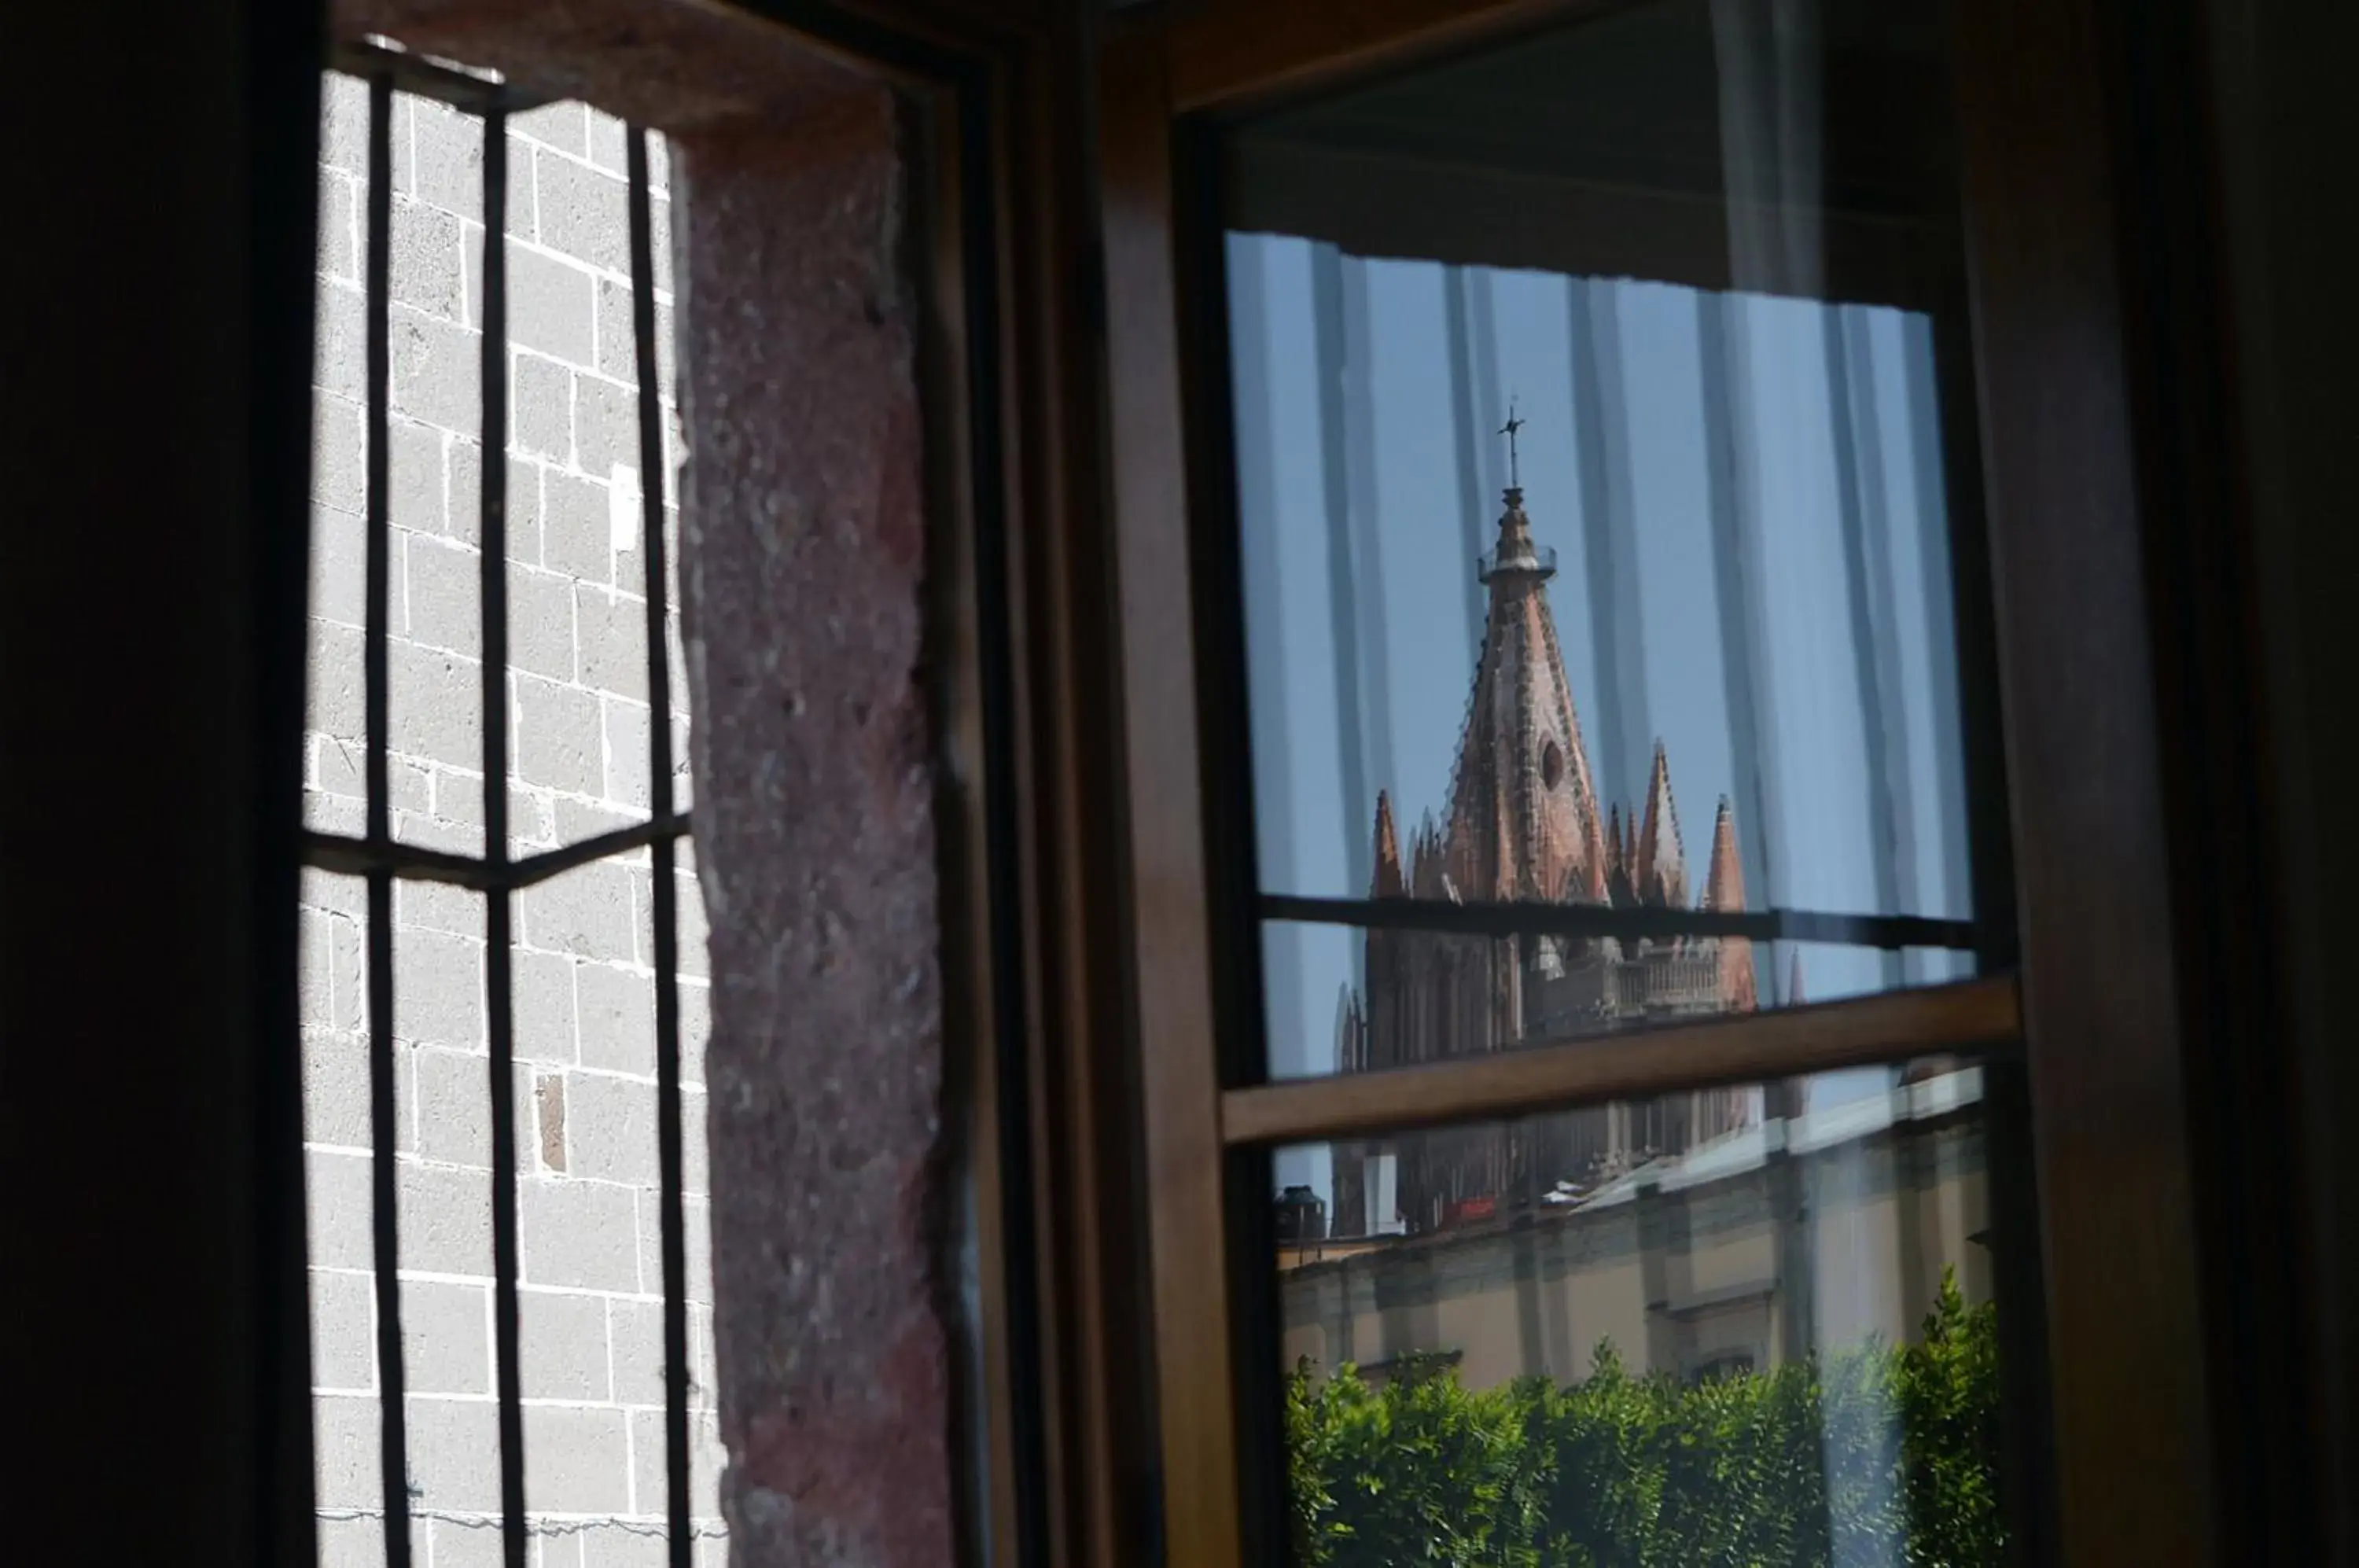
(1594,523)
(1777,1347)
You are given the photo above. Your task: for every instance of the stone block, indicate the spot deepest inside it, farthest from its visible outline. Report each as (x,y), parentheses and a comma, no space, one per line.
(696,1216)
(562,1348)
(436,373)
(340,341)
(445,600)
(455,1455)
(332,892)
(430,832)
(352,1542)
(578,529)
(611,1128)
(618,1018)
(623,1546)
(429,266)
(613,641)
(618,344)
(454,1117)
(578,820)
(635,1336)
(346,1447)
(340,230)
(564,125)
(343,122)
(705,1458)
(540,406)
(580,1234)
(344,1332)
(336,1091)
(465,505)
(438,906)
(695,941)
(607,148)
(576,1461)
(695,1029)
(605,425)
(584,213)
(443,165)
(542,985)
(336,1199)
(473,1543)
(552,306)
(446,1337)
(627,763)
(438,987)
(339,588)
(559,739)
(445,1220)
(329,814)
(339,453)
(585,912)
(416,482)
(435,704)
(695,1162)
(540,623)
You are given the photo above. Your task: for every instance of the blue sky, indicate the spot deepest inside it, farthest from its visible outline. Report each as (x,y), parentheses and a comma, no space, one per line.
(1818,834)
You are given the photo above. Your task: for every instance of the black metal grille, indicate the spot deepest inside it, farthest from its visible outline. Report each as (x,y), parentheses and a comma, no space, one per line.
(380,858)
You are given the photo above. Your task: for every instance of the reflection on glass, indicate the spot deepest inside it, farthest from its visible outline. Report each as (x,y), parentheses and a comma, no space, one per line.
(1595,533)
(1541,1341)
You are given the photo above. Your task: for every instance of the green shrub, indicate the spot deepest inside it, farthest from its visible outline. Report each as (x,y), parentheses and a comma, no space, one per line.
(1840,1460)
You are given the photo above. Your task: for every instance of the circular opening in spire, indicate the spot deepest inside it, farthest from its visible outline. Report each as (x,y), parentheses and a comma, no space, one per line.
(1551,765)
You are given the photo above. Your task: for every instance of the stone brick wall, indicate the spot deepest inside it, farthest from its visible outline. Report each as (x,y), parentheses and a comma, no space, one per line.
(590,1287)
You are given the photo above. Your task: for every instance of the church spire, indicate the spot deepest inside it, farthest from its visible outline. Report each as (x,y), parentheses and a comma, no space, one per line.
(1389,882)
(1660,875)
(1724,893)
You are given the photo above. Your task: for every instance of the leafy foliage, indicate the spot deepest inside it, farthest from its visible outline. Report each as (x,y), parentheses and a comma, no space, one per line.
(1870,1456)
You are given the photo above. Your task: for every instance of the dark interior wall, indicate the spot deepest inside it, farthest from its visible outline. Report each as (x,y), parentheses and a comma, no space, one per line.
(2287,127)
(156,360)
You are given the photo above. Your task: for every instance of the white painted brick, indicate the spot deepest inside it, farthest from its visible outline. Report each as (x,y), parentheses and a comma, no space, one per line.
(693,939)
(607,148)
(343,122)
(576,1461)
(454,1454)
(559,741)
(617,1019)
(562,1348)
(335,697)
(445,1219)
(465,509)
(415,482)
(336,1091)
(695,1031)
(344,1332)
(333,892)
(578,820)
(438,906)
(430,832)
(438,989)
(582,1235)
(446,1337)
(454,1115)
(465,1542)
(330,814)
(618,346)
(611,1128)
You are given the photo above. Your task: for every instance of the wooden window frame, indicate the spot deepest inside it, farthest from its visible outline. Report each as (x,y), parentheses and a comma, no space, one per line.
(2095,994)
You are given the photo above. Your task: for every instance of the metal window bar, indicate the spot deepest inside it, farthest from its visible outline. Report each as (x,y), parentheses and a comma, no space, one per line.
(1529,917)
(380,859)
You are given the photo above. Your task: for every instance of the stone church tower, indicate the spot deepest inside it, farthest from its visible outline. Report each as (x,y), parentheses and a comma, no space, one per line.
(1525,824)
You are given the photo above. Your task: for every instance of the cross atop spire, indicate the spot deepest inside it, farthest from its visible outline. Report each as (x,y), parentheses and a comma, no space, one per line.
(1515,477)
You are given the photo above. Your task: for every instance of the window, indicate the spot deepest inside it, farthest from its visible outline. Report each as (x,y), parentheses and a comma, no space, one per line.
(505,1003)
(1603,843)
